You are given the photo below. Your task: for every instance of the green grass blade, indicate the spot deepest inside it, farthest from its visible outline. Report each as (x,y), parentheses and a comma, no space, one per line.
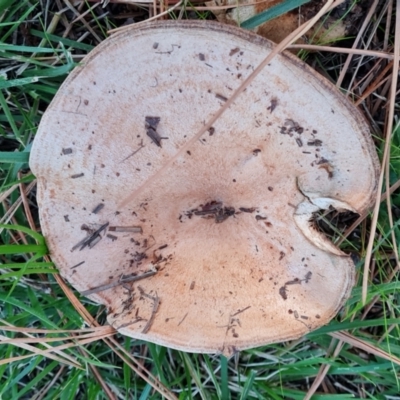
(18,82)
(59,39)
(21,18)
(212,375)
(34,75)
(8,114)
(26,179)
(14,157)
(4,4)
(31,366)
(19,274)
(22,248)
(37,313)
(50,72)
(248,385)
(146,392)
(352,325)
(224,378)
(193,372)
(27,49)
(37,236)
(272,13)
(158,355)
(32,383)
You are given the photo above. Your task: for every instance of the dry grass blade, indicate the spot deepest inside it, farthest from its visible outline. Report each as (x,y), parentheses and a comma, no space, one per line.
(7,193)
(388,24)
(368,41)
(24,198)
(377,83)
(14,207)
(63,355)
(278,49)
(360,52)
(87,26)
(82,15)
(385,161)
(359,35)
(363,345)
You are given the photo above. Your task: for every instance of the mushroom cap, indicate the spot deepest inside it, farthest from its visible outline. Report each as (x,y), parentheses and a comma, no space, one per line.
(222,234)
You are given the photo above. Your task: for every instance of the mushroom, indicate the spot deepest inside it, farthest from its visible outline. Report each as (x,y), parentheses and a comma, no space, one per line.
(213,251)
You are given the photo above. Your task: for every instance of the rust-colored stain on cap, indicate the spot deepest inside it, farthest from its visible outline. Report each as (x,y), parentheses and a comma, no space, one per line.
(213,252)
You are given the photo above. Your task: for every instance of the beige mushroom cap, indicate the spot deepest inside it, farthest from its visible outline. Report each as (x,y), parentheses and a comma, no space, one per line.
(224,239)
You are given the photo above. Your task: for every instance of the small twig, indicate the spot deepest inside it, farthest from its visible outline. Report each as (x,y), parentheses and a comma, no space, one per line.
(240,311)
(156,303)
(88,240)
(132,229)
(118,282)
(132,154)
(184,317)
(78,265)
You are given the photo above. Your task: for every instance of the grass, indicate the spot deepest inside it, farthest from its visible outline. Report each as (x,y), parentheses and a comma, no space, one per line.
(55,343)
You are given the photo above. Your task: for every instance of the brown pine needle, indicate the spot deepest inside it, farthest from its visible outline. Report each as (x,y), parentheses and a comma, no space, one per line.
(48,351)
(99,330)
(17,341)
(63,358)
